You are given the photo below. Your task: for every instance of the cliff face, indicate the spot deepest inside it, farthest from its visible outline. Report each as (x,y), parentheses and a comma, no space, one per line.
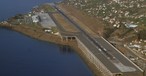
(115,13)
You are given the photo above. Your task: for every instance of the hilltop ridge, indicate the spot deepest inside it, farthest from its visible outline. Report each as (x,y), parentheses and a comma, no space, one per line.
(115,14)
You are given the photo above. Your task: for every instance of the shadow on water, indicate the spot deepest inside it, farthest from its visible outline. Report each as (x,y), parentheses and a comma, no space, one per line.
(36,58)
(6,27)
(65,49)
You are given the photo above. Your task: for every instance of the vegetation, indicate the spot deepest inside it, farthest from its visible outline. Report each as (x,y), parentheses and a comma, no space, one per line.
(54,29)
(19,16)
(47,8)
(142,35)
(116,13)
(108,32)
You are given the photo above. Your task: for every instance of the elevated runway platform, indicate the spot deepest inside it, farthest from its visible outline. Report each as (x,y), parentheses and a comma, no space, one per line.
(101,53)
(110,63)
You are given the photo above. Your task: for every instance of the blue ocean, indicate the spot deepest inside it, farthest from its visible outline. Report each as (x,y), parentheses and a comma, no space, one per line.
(24,56)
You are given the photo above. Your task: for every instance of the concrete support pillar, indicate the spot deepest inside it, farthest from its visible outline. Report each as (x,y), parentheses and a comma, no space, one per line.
(67,38)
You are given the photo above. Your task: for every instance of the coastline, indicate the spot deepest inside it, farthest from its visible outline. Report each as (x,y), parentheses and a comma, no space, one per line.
(39,34)
(36,33)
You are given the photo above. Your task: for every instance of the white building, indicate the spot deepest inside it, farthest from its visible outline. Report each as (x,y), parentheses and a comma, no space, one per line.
(130,25)
(35,18)
(117,1)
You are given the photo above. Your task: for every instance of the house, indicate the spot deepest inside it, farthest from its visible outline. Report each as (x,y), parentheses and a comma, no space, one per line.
(130,25)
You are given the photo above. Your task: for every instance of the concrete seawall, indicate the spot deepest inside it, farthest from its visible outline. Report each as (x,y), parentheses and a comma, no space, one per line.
(99,64)
(91,57)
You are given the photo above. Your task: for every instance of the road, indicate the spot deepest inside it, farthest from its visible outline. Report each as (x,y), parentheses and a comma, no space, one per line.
(104,51)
